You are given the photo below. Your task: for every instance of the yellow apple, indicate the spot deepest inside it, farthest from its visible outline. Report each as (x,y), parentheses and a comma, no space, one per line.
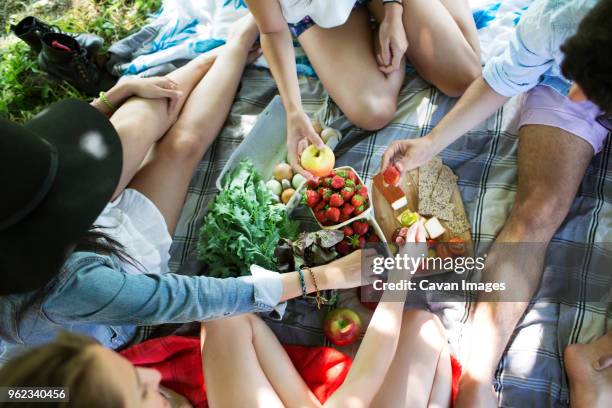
(319,162)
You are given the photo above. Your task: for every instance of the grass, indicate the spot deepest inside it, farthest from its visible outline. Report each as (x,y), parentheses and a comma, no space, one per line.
(24,89)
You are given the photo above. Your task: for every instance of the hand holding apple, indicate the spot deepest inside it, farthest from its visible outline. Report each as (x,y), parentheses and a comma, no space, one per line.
(342,326)
(318,161)
(300,132)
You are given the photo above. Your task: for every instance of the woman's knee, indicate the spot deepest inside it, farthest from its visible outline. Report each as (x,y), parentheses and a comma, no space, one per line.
(183,144)
(372,113)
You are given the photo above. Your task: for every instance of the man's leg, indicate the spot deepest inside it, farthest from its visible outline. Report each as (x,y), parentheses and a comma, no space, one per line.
(551,165)
(590,384)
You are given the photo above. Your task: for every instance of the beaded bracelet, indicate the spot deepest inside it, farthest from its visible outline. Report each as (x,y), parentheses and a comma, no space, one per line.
(106,102)
(302,282)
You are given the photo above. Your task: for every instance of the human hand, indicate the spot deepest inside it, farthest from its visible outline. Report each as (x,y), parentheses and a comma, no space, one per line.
(409,154)
(411,243)
(154,88)
(392,40)
(300,133)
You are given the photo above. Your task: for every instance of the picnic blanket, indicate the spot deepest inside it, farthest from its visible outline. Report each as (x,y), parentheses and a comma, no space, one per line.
(531,371)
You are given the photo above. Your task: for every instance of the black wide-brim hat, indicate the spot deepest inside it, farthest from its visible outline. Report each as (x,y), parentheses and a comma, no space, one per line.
(57,172)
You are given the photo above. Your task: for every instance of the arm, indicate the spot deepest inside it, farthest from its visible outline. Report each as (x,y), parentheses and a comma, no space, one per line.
(516,70)
(96,293)
(277,45)
(378,346)
(392,38)
(150,88)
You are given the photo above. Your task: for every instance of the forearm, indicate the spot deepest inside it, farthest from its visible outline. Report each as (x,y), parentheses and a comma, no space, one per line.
(477,103)
(278,50)
(292,286)
(116,96)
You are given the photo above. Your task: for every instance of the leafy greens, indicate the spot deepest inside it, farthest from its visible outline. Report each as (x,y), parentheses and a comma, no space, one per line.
(243,225)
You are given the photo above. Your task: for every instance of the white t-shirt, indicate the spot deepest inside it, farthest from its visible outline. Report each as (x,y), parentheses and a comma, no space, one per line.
(325,13)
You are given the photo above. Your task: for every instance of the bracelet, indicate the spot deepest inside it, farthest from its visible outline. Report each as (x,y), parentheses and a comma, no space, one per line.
(393,1)
(106,102)
(302,282)
(318,298)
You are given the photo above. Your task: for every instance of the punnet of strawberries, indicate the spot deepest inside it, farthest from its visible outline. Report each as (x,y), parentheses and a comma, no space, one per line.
(356,235)
(337,197)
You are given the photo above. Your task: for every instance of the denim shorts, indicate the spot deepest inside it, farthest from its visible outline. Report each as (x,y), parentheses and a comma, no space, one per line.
(304,24)
(545,106)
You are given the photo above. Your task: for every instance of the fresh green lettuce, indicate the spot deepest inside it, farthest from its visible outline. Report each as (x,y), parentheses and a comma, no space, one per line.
(243,225)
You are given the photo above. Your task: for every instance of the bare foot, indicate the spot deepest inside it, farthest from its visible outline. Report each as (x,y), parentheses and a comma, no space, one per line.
(473,393)
(590,385)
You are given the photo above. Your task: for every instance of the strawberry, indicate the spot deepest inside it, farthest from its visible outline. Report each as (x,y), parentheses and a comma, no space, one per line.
(349,183)
(319,206)
(357,200)
(361,227)
(343,247)
(352,176)
(335,200)
(333,214)
(362,191)
(325,193)
(373,238)
(348,231)
(327,181)
(332,174)
(347,209)
(360,209)
(362,242)
(343,217)
(354,241)
(347,193)
(342,173)
(337,182)
(312,198)
(321,216)
(313,184)
(391,176)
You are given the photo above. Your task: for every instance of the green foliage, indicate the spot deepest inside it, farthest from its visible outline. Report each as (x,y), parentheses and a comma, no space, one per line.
(243,226)
(25,90)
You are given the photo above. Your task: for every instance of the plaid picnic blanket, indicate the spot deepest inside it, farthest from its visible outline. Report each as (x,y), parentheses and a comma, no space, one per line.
(531,371)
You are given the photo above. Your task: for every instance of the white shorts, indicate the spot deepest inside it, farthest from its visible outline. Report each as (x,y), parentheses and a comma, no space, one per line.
(135,222)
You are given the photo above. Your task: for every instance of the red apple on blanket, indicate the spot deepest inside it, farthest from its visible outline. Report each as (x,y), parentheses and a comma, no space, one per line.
(319,162)
(342,326)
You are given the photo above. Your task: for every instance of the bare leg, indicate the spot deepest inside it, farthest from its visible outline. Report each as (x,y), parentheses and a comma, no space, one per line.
(141,122)
(420,372)
(589,388)
(442,42)
(551,164)
(246,366)
(344,60)
(164,179)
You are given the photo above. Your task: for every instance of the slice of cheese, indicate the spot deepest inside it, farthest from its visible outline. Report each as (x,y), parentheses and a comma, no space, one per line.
(400,203)
(434,228)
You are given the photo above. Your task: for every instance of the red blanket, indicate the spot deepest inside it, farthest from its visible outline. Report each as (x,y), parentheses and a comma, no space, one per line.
(179,361)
